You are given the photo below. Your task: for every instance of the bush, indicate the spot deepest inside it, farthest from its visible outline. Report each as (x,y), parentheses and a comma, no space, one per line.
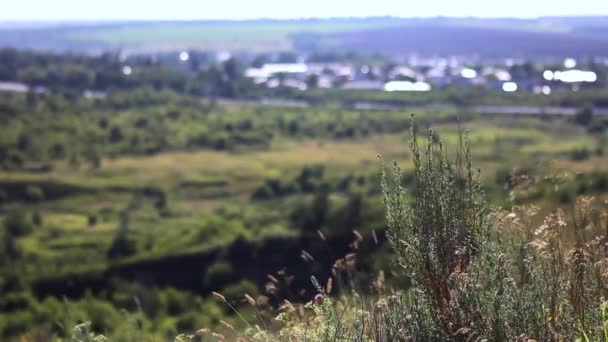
(34,194)
(263,192)
(438,235)
(236,291)
(219,273)
(3,196)
(584,116)
(600,183)
(580,154)
(18,223)
(37,218)
(92,220)
(122,246)
(162,200)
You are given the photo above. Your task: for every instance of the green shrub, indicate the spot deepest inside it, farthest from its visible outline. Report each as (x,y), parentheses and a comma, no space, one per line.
(263,192)
(220,272)
(123,246)
(18,223)
(237,290)
(600,183)
(438,234)
(92,220)
(584,116)
(34,194)
(37,218)
(16,301)
(580,154)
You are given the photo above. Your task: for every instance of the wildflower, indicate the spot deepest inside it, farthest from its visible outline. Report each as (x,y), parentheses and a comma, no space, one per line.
(350,260)
(287,306)
(227,325)
(538,245)
(381,304)
(219,337)
(249,299)
(541,229)
(271,288)
(307,256)
(328,285)
(219,296)
(316,284)
(319,298)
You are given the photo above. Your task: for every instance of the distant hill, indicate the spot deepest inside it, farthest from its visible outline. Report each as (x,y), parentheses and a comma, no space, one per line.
(462,40)
(548,36)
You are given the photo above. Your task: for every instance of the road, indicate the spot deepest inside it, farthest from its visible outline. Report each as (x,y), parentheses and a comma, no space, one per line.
(480,109)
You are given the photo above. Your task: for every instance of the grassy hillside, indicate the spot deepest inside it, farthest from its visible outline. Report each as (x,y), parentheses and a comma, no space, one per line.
(531,37)
(168,199)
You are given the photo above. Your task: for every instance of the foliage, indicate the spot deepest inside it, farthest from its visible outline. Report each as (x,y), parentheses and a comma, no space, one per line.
(194,167)
(475,275)
(82,333)
(18,223)
(456,96)
(122,246)
(584,116)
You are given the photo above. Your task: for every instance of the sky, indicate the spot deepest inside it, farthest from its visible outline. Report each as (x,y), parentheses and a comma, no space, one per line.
(94,10)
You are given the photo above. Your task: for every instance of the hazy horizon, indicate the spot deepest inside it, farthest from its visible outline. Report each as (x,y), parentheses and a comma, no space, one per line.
(188,10)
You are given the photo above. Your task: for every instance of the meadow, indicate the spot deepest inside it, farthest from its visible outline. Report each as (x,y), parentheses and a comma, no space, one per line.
(390,35)
(257,36)
(101,203)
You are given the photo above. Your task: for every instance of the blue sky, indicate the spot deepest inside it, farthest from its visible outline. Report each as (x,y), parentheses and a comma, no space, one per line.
(244,9)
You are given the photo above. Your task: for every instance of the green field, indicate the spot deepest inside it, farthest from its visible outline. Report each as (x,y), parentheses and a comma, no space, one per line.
(252,35)
(95,191)
(198,183)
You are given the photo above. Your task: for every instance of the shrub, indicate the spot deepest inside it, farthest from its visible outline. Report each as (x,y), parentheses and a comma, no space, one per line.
(438,235)
(236,291)
(263,192)
(580,154)
(122,246)
(219,273)
(34,194)
(162,201)
(92,220)
(116,134)
(37,218)
(600,183)
(18,223)
(3,196)
(584,116)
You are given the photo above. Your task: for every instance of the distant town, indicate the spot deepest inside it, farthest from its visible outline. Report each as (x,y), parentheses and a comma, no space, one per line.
(412,74)
(424,74)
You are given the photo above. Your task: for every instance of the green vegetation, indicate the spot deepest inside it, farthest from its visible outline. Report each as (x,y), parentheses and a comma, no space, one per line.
(263,35)
(457,96)
(151,198)
(475,272)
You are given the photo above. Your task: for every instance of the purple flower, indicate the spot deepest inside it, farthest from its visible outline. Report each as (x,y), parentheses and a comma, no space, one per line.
(319,298)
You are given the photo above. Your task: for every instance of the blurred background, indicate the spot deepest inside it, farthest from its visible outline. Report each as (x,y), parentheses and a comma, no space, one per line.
(151,153)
